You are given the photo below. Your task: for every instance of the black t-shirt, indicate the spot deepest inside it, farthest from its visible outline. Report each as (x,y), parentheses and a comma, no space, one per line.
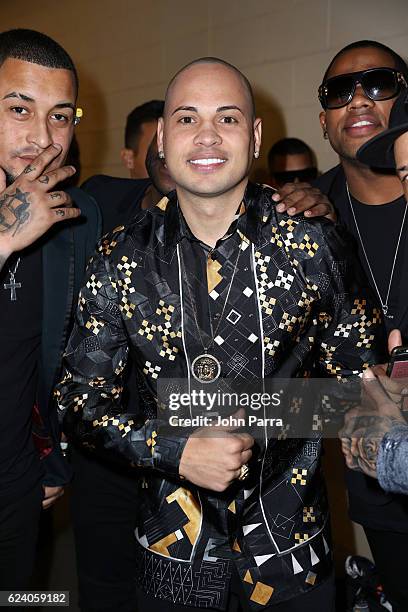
(20,341)
(380,227)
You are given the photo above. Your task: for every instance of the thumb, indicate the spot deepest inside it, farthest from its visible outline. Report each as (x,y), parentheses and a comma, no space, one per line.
(394,339)
(3,184)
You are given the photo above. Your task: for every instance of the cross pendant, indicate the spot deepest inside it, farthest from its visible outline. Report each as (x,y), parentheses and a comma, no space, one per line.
(12,285)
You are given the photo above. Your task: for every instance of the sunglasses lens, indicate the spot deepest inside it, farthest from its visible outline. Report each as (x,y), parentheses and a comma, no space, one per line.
(380,84)
(338,91)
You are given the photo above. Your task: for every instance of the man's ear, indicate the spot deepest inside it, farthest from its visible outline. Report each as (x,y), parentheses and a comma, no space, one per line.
(128,158)
(257,135)
(322,119)
(160,138)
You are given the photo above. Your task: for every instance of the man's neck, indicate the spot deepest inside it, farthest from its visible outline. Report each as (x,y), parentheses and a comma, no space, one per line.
(368,187)
(209,218)
(151,197)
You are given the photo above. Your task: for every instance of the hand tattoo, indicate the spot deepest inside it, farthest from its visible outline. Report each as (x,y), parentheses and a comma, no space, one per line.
(55,195)
(44,179)
(28,169)
(14,211)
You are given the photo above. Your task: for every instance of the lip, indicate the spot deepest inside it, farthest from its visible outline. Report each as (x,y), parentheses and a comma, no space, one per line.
(361,125)
(209,162)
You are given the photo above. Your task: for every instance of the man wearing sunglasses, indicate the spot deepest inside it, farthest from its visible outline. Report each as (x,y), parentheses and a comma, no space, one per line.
(291,160)
(357,93)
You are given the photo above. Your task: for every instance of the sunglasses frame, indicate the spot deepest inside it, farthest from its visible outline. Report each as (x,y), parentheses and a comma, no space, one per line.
(356,77)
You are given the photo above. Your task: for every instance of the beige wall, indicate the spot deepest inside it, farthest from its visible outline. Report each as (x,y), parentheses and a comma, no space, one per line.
(126,50)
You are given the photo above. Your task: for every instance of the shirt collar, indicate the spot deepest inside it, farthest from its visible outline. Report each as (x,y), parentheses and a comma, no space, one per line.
(248,219)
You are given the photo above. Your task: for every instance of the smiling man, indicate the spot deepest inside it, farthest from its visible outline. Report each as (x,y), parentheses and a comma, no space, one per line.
(39,275)
(357,94)
(214,283)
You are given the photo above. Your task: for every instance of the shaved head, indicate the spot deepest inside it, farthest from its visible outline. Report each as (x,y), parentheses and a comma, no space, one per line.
(214,60)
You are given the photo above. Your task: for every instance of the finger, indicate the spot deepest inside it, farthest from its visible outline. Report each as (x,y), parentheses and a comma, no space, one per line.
(375,392)
(37,167)
(49,501)
(3,184)
(63,214)
(297,195)
(246,456)
(394,339)
(59,198)
(393,386)
(50,179)
(247,440)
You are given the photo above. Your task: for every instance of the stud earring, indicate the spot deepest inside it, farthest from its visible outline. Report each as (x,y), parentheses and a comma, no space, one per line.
(161,154)
(256,154)
(325,134)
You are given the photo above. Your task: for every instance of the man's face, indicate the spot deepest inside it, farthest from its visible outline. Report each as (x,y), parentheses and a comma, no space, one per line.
(134,159)
(401,161)
(37,107)
(344,126)
(282,164)
(157,171)
(208,134)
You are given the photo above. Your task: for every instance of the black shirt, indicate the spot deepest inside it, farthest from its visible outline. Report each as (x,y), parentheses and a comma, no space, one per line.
(20,334)
(380,227)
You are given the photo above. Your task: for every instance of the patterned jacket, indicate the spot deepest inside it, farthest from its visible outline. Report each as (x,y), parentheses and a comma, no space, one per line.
(296,298)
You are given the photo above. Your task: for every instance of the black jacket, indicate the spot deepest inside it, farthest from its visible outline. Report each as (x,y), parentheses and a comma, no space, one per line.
(298,276)
(65,254)
(369,504)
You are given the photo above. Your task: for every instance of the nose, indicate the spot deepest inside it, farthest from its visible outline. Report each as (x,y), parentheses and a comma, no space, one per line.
(40,133)
(207,135)
(360,98)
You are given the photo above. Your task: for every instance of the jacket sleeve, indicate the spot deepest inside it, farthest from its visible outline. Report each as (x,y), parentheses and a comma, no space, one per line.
(89,396)
(350,327)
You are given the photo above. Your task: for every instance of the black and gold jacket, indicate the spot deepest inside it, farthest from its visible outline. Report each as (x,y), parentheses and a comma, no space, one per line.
(295,297)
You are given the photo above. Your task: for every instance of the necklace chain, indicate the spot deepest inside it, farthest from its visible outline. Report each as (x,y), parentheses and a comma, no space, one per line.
(14,271)
(384,304)
(213,333)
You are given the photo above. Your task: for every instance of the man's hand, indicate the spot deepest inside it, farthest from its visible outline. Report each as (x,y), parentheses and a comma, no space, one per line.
(213,456)
(51,494)
(28,208)
(365,426)
(299,197)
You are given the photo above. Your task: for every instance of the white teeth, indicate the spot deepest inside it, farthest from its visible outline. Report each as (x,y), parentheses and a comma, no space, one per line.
(207,162)
(362,123)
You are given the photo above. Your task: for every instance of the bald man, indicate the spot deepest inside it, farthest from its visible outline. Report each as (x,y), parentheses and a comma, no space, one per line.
(189,288)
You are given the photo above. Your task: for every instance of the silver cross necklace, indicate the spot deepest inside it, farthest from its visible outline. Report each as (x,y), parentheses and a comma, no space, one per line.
(12,285)
(384,304)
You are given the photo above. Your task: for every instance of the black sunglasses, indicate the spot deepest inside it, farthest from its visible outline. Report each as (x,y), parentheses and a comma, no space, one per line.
(288,176)
(378,84)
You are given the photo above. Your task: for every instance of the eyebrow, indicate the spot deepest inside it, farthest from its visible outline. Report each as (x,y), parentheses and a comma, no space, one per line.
(21,96)
(220,109)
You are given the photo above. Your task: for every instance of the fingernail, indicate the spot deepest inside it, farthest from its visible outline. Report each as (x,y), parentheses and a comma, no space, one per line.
(73,168)
(280,208)
(308,213)
(57,146)
(276,197)
(291,210)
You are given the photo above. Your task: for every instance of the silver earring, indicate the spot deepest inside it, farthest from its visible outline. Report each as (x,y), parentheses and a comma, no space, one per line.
(161,154)
(256,154)
(325,134)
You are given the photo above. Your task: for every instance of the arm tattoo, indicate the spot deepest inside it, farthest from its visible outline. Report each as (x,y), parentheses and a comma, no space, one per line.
(44,179)
(14,211)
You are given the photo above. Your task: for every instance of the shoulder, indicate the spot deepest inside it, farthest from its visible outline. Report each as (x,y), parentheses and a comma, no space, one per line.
(142,233)
(103,187)
(326,180)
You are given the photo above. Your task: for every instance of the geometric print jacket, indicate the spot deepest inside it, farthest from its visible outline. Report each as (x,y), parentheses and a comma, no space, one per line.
(296,298)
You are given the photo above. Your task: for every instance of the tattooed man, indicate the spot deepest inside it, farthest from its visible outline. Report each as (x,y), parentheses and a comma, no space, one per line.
(41,262)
